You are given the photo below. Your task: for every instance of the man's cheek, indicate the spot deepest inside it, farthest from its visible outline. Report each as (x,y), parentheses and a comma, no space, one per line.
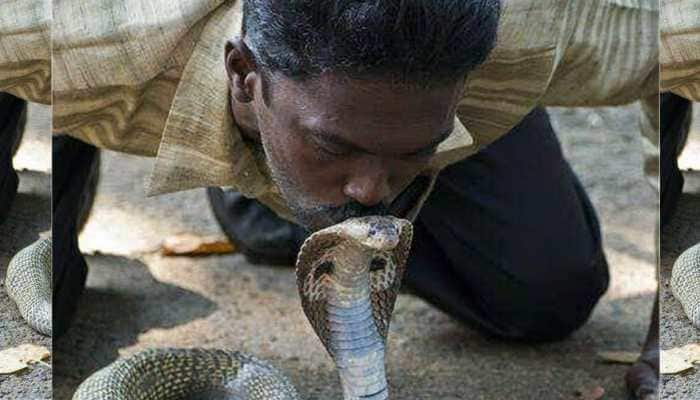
(322,180)
(283,150)
(300,165)
(307,157)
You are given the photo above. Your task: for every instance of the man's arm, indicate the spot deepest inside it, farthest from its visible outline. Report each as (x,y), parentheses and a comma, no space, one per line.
(562,53)
(679,55)
(25,49)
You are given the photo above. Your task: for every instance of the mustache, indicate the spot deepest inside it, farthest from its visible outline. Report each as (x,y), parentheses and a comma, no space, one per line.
(399,207)
(353,209)
(318,217)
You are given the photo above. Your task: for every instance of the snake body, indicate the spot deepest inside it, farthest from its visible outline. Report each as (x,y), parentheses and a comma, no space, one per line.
(685,283)
(28,284)
(158,374)
(348,277)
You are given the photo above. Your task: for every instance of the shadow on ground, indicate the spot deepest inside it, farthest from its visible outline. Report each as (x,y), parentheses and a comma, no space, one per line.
(29,216)
(135,303)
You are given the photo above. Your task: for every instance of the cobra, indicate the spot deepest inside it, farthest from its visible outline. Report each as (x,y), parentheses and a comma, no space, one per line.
(348,277)
(685,283)
(28,284)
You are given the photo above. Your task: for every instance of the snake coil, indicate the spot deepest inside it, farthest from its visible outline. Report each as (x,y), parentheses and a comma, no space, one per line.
(28,284)
(348,277)
(685,283)
(158,374)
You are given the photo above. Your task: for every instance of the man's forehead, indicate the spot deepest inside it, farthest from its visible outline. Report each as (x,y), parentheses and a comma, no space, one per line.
(321,104)
(329,91)
(399,139)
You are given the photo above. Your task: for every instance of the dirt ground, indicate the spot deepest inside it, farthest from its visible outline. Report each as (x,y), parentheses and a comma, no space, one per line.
(30,216)
(681,233)
(137,298)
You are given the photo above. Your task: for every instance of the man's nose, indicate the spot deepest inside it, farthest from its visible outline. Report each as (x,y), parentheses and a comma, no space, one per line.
(369,185)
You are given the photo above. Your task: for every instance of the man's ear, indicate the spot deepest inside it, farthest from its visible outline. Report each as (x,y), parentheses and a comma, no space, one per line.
(241,70)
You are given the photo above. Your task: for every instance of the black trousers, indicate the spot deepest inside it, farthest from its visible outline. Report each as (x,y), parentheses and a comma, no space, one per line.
(676,113)
(508,242)
(74,172)
(12,117)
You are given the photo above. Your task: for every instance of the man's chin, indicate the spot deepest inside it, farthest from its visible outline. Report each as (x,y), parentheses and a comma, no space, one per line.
(314,223)
(321,217)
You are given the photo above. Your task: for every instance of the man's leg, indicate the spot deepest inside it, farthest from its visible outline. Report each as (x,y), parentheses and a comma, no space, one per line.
(676,113)
(75,169)
(508,241)
(12,118)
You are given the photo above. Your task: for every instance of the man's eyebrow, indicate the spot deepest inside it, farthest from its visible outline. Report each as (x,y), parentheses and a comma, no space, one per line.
(336,140)
(434,144)
(339,141)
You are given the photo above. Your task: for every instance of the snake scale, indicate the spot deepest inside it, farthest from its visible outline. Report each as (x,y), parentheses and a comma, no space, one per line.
(348,277)
(685,283)
(28,284)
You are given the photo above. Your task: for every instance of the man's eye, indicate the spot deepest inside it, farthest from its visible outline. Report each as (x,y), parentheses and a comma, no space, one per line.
(334,152)
(422,156)
(327,150)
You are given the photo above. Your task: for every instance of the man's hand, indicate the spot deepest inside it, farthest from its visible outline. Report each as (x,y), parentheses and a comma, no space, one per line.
(643,377)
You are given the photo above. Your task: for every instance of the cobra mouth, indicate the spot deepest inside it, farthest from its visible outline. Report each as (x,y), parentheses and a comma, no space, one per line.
(348,277)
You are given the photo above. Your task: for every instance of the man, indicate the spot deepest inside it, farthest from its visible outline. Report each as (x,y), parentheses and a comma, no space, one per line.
(323,111)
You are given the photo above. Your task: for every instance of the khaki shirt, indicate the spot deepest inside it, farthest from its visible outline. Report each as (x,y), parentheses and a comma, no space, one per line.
(680,48)
(25,43)
(167,96)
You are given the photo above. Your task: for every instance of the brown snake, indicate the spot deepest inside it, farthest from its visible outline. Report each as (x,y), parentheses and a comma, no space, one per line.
(348,277)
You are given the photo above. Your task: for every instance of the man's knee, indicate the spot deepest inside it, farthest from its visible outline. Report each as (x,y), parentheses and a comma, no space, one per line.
(550,305)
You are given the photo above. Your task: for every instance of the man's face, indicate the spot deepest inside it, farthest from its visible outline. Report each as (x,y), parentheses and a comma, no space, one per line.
(340,148)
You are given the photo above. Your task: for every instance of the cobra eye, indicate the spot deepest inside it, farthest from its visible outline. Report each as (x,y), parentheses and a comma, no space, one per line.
(324,268)
(378,264)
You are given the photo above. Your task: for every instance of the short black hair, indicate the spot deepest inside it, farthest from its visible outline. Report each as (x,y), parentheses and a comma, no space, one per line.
(423,42)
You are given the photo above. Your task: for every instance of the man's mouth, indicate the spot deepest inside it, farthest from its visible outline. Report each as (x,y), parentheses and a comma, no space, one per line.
(320,217)
(315,218)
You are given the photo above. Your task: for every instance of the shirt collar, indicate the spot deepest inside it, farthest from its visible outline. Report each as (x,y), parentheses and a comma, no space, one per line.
(201,145)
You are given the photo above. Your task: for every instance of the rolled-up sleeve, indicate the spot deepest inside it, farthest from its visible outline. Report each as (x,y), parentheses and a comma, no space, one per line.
(25,49)
(680,48)
(117,66)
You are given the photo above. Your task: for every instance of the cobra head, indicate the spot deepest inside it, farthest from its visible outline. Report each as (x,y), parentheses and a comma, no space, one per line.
(348,277)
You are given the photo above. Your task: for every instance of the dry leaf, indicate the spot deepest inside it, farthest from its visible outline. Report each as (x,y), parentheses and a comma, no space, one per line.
(620,357)
(192,245)
(592,393)
(18,358)
(679,359)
